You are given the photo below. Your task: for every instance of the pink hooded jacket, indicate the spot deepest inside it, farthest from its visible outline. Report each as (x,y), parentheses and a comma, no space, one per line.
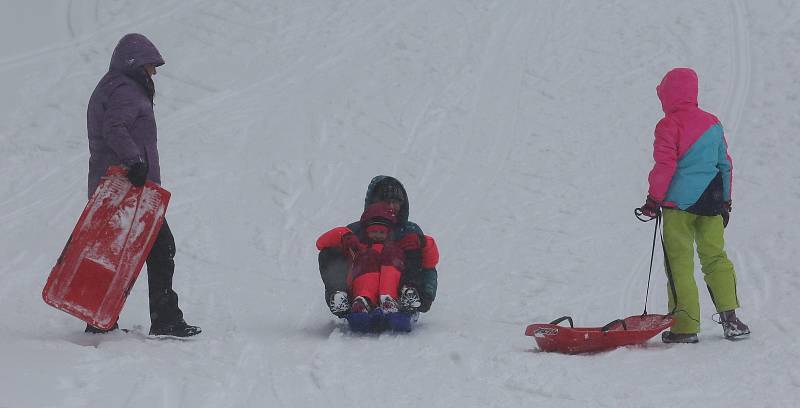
(689,147)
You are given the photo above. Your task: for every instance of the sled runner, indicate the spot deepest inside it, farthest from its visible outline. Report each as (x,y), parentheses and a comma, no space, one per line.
(107,249)
(376,321)
(621,332)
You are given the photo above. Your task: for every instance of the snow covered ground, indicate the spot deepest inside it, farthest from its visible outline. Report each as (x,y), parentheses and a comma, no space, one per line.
(522,130)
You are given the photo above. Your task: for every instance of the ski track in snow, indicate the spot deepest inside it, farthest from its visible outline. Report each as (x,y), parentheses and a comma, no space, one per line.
(152,14)
(522,131)
(740,81)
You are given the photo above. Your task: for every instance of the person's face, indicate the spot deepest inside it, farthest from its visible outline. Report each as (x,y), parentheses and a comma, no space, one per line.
(150,69)
(377,235)
(394,205)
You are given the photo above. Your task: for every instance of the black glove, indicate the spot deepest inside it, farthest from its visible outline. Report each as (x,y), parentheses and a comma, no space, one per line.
(726,213)
(137,173)
(651,208)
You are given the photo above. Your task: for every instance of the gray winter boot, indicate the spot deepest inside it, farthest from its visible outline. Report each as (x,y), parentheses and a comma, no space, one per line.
(732,327)
(670,337)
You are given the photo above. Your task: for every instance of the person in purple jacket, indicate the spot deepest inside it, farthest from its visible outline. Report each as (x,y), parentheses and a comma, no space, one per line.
(122,131)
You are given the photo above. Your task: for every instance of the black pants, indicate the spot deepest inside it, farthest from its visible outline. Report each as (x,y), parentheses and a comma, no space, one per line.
(333,266)
(160,267)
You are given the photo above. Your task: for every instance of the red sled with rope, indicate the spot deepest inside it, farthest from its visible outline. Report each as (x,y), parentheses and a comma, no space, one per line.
(574,340)
(107,249)
(621,332)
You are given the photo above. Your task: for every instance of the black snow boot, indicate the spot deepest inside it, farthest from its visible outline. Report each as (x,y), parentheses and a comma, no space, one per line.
(339,303)
(178,328)
(732,327)
(96,330)
(687,338)
(409,299)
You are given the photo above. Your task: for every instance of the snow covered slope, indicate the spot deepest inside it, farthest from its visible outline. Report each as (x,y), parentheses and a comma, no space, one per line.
(522,131)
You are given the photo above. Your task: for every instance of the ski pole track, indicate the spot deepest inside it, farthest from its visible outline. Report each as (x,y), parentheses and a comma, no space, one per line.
(250,361)
(54,204)
(10,270)
(139,384)
(738,90)
(154,14)
(251,95)
(521,67)
(632,297)
(489,59)
(436,109)
(753,285)
(53,170)
(325,358)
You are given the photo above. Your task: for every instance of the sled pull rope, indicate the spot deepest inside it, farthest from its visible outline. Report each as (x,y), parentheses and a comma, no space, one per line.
(652,255)
(638,213)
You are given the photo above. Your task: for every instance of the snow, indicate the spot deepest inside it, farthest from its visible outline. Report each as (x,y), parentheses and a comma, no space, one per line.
(522,131)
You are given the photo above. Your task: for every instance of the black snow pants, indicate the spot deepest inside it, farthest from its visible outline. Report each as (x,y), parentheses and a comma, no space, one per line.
(333,266)
(160,267)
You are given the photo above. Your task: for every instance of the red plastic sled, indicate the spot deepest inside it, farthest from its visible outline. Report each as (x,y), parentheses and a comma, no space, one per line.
(107,249)
(620,332)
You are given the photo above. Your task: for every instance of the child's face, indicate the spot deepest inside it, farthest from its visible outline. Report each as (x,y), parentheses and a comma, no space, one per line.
(377,235)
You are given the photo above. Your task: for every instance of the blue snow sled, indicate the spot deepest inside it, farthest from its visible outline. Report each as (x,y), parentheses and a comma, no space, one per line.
(376,321)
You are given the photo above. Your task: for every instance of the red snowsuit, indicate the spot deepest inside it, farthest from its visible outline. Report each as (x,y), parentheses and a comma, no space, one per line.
(376,268)
(376,271)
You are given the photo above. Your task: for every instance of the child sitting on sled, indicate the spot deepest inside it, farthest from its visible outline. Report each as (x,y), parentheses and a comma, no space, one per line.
(377,261)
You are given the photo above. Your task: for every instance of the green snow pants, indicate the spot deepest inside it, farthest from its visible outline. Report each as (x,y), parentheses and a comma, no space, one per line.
(681,230)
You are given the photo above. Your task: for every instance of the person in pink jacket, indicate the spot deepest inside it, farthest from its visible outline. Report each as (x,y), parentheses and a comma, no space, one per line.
(691,182)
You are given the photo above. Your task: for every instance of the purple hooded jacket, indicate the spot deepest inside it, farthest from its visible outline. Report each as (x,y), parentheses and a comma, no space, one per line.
(120,119)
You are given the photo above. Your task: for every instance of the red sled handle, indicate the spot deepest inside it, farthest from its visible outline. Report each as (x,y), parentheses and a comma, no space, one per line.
(603,329)
(611,324)
(561,319)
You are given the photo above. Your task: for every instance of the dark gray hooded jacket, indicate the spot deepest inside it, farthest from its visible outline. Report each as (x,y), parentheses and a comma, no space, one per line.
(120,120)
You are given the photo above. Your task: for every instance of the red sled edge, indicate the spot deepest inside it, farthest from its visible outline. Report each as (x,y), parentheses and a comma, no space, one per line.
(103,283)
(551,337)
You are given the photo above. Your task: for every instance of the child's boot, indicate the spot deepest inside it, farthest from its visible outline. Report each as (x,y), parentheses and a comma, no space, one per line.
(670,337)
(388,304)
(732,327)
(360,305)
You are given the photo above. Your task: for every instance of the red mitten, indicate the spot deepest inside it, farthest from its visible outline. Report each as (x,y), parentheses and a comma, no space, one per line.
(352,245)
